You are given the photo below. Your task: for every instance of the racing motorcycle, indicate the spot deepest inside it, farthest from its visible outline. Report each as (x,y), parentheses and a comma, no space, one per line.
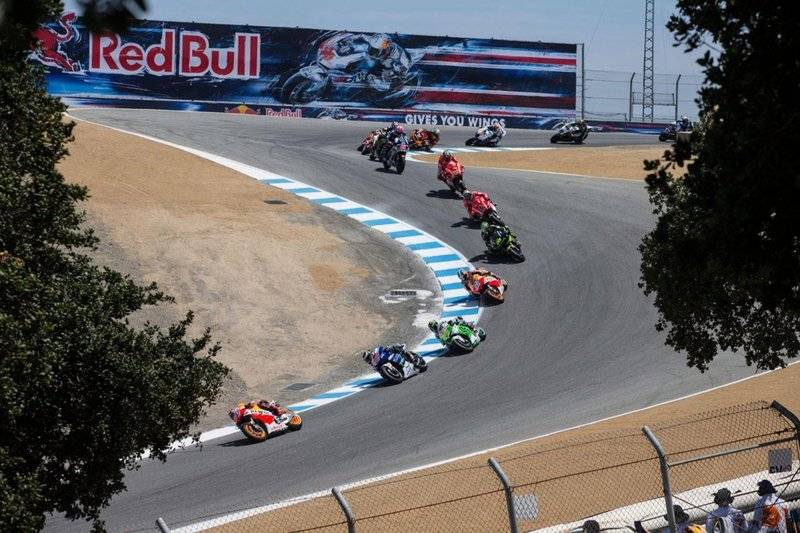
(569,132)
(509,245)
(423,142)
(669,133)
(395,363)
(350,76)
(396,157)
(487,285)
(459,336)
(482,209)
(257,423)
(483,137)
(369,141)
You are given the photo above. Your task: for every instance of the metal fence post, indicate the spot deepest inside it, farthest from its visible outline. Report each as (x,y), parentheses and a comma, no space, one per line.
(662,461)
(630,97)
(677,83)
(162,526)
(348,513)
(583,82)
(787,414)
(512,511)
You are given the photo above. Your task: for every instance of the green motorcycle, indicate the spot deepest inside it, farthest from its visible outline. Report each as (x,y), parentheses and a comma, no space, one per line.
(500,240)
(457,335)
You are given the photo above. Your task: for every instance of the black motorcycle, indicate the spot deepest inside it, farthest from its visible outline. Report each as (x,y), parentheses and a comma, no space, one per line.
(670,133)
(569,133)
(395,156)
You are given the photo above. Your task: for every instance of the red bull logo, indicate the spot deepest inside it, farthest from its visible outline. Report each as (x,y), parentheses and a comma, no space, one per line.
(108,53)
(48,47)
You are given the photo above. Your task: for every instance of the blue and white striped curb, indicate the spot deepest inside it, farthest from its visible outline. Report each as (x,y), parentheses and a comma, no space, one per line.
(443,260)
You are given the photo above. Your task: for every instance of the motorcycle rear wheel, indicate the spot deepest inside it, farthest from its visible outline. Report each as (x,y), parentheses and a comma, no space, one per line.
(462,344)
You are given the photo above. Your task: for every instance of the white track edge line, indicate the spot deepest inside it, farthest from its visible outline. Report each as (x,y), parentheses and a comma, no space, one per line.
(200,526)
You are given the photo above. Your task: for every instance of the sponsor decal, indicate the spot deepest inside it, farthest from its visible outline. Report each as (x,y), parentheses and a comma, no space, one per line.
(242,109)
(288,113)
(473,121)
(110,54)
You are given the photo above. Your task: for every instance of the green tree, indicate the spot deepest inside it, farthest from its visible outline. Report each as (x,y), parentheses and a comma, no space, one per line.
(724,258)
(82,392)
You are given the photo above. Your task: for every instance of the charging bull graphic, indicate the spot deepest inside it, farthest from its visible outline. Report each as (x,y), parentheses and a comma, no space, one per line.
(48,45)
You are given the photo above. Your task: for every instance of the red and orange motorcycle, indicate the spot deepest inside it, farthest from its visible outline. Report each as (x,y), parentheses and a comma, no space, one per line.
(258,423)
(482,283)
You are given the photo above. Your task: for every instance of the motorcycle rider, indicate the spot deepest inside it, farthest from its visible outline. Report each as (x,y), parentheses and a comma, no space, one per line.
(495,236)
(449,166)
(437,326)
(492,133)
(371,357)
(383,134)
(426,138)
(472,279)
(684,124)
(393,138)
(267,405)
(474,201)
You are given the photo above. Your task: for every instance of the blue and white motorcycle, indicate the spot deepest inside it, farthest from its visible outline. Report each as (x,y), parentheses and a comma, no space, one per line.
(395,363)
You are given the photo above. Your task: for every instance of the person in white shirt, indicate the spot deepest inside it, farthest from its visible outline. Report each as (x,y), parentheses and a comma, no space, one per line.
(769,515)
(725,518)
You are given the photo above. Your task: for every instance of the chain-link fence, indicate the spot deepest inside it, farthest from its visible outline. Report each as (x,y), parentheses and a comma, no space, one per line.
(624,480)
(615,95)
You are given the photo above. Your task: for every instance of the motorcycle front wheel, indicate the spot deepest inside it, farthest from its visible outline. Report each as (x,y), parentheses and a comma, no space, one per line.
(390,373)
(300,90)
(254,431)
(470,142)
(295,423)
(401,164)
(554,139)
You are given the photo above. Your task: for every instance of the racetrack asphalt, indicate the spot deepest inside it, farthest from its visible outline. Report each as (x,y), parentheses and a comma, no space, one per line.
(573,343)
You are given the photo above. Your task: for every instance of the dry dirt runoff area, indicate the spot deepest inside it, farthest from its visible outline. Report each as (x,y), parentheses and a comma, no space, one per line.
(278,279)
(574,474)
(624,162)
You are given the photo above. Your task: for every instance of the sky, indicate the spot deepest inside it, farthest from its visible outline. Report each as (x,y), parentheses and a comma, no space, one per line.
(612,30)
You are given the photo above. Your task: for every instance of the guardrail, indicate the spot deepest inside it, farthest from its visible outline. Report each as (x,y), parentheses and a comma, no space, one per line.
(627,479)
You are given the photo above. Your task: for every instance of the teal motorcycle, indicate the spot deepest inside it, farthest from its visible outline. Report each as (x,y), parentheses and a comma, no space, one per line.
(458,335)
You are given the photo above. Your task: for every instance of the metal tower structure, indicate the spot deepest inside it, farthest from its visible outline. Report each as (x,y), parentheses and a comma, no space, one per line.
(647,70)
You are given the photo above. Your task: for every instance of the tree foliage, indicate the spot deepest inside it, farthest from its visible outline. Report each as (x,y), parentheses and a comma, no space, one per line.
(82,392)
(724,258)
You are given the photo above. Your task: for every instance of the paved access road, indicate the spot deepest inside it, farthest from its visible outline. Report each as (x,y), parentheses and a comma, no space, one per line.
(573,343)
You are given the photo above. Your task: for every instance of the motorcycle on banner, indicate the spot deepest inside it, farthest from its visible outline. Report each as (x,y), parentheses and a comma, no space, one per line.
(257,423)
(482,283)
(353,66)
(395,363)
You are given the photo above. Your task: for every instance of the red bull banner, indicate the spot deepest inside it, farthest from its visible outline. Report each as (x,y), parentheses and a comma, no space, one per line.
(294,72)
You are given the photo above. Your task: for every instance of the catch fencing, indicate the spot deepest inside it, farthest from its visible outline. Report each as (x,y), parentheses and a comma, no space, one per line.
(617,96)
(625,479)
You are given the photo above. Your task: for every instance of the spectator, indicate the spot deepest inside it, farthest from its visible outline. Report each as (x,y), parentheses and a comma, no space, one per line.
(771,512)
(725,518)
(682,524)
